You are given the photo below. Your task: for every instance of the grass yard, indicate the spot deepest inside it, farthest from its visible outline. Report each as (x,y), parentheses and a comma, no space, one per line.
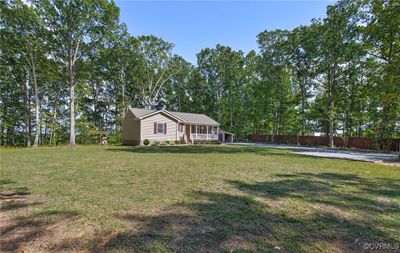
(193,199)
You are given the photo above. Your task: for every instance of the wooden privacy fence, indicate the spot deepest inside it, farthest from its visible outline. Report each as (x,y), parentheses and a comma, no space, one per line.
(344,142)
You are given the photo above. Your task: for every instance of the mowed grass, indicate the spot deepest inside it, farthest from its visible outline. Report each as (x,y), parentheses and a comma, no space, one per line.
(193,199)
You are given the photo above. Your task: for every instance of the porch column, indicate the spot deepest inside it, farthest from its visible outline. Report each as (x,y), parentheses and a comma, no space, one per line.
(218,133)
(196,131)
(207,132)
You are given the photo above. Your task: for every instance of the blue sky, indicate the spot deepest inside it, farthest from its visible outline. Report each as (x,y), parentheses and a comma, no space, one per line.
(194,25)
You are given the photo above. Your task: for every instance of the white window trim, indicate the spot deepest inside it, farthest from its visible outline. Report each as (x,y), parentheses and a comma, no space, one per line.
(163,130)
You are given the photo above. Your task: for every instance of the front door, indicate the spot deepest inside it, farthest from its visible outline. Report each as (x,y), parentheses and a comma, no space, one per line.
(187,133)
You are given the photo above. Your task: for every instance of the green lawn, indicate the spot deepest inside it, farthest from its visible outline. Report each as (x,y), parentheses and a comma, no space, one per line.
(193,199)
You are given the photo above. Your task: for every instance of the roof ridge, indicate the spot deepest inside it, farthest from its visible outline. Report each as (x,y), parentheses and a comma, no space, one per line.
(167,111)
(189,117)
(190,113)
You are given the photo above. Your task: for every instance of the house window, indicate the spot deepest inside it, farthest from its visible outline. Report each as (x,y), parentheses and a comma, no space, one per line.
(160,128)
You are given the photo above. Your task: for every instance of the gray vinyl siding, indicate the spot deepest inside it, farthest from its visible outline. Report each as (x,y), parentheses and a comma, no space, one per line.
(147,128)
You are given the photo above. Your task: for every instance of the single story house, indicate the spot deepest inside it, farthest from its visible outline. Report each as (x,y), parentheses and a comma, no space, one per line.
(162,125)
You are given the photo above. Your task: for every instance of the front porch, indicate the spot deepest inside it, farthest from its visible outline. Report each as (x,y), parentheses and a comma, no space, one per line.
(210,137)
(202,132)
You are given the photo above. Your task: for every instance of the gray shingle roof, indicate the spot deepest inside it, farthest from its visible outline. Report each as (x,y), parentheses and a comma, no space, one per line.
(195,118)
(139,112)
(190,118)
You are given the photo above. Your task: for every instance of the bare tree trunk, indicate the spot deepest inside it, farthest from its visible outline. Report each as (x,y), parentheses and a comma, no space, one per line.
(72,52)
(303,118)
(123,94)
(37,106)
(123,101)
(2,140)
(330,93)
(71,104)
(28,114)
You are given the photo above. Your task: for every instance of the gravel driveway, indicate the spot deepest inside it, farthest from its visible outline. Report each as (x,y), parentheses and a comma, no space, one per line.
(329,153)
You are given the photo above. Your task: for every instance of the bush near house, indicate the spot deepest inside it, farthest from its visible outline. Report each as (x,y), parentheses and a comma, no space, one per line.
(205,142)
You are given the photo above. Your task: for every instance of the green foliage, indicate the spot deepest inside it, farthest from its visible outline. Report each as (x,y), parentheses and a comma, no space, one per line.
(146,142)
(87,133)
(115,137)
(338,76)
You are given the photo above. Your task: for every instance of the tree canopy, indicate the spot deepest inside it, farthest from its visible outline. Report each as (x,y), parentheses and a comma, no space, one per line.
(70,69)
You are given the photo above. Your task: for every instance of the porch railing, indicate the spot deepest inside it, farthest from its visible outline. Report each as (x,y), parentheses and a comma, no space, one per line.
(204,136)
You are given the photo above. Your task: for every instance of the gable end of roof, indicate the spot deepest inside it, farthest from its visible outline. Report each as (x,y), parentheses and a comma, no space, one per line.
(164,112)
(189,118)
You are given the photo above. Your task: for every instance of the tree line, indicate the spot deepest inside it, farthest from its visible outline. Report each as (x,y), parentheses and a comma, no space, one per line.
(70,70)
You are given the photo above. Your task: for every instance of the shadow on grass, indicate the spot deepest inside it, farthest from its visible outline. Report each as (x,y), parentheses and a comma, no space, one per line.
(4,182)
(343,191)
(198,149)
(14,193)
(337,212)
(19,229)
(213,222)
(337,218)
(9,191)
(13,205)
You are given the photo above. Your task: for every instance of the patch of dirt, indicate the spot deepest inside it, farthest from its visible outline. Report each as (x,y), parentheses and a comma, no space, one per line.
(238,244)
(23,228)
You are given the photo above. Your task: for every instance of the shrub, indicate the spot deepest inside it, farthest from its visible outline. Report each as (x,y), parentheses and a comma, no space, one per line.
(205,142)
(87,133)
(156,143)
(177,142)
(167,142)
(115,137)
(146,142)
